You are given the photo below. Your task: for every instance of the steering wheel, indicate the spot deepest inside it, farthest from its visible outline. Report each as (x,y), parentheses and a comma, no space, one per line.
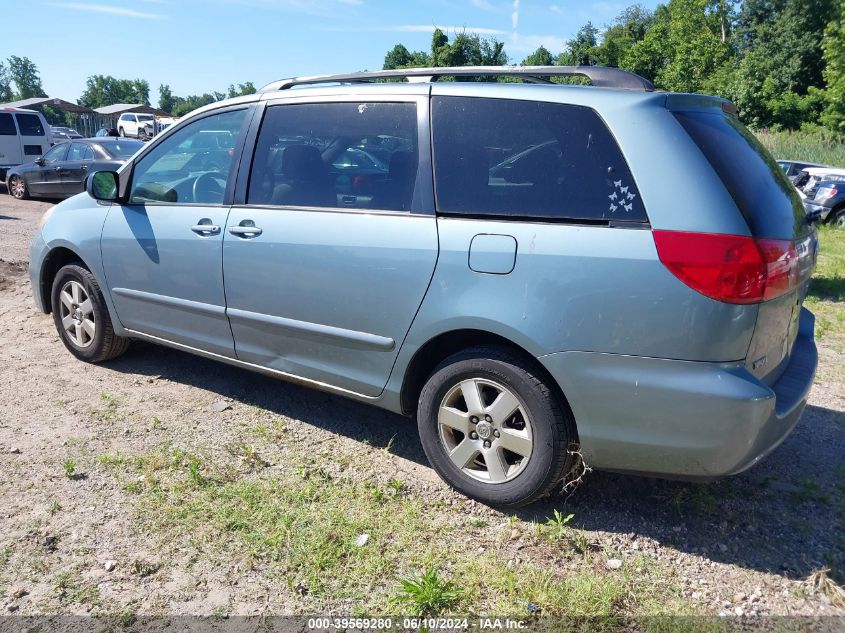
(209,187)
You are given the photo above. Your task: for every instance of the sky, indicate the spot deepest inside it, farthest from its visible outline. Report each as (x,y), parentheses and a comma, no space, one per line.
(199,46)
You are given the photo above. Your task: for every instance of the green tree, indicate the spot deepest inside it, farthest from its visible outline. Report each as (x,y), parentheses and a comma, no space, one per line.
(24,74)
(834,71)
(103,90)
(781,71)
(581,50)
(166,99)
(540,57)
(243,89)
(192,102)
(627,29)
(687,46)
(6,93)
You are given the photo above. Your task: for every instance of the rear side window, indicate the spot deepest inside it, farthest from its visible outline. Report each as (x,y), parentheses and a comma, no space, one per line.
(529,159)
(7,125)
(344,155)
(30,125)
(759,187)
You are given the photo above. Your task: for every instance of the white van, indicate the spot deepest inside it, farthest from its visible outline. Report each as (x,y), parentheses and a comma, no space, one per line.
(24,136)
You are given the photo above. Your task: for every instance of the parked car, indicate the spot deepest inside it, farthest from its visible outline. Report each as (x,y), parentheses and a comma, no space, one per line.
(574,310)
(793,168)
(61,133)
(140,126)
(24,135)
(823,193)
(61,172)
(106,131)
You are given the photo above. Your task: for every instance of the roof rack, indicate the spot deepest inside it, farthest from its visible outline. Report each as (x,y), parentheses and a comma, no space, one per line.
(599,76)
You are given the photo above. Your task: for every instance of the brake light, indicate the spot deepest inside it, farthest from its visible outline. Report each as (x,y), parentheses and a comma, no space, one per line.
(730,268)
(826,193)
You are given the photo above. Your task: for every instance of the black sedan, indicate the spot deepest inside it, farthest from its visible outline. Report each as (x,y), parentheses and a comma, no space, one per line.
(61,172)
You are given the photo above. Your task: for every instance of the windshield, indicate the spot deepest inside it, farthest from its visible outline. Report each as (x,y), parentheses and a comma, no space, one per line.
(122,149)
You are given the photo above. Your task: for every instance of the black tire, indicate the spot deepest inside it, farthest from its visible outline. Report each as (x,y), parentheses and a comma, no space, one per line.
(17,188)
(121,133)
(105,344)
(837,219)
(552,426)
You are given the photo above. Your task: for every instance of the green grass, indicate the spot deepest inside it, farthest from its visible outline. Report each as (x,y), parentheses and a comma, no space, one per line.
(826,300)
(816,146)
(300,525)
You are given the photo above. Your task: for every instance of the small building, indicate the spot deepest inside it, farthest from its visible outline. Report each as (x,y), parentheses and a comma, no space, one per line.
(82,119)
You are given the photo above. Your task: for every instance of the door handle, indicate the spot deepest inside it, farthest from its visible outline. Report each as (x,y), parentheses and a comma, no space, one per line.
(84,168)
(57,168)
(205,229)
(245,230)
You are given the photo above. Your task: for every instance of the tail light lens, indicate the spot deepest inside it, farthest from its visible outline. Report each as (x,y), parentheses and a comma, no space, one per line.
(730,268)
(825,193)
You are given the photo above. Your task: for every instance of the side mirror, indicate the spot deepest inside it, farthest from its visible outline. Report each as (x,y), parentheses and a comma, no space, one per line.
(103,185)
(39,161)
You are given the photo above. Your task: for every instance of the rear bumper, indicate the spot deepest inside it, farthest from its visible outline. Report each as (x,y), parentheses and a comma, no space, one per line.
(817,210)
(682,419)
(37,252)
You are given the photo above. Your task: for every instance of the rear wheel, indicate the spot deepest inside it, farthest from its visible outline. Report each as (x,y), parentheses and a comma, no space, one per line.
(493,429)
(81,317)
(17,187)
(838,219)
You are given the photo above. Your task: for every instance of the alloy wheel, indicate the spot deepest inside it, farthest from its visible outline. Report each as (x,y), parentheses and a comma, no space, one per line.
(485,430)
(17,187)
(77,314)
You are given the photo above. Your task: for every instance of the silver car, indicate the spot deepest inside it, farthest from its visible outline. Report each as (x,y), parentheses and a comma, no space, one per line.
(540,270)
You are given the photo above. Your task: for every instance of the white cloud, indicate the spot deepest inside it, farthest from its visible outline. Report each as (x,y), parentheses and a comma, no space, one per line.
(484,5)
(428,28)
(556,9)
(108,10)
(515,15)
(529,43)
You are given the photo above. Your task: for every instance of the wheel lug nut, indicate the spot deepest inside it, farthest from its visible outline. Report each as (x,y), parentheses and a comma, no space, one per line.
(473,436)
(488,418)
(474,420)
(486,443)
(496,433)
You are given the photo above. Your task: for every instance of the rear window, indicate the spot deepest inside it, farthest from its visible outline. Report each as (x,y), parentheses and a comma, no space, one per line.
(528,159)
(30,125)
(761,190)
(122,149)
(7,125)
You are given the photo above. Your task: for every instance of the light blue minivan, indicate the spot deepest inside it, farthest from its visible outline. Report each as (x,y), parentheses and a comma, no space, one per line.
(532,269)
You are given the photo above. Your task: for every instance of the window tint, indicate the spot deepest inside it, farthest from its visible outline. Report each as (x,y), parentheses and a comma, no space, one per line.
(7,125)
(187,169)
(763,193)
(30,125)
(356,155)
(77,151)
(57,152)
(89,153)
(529,159)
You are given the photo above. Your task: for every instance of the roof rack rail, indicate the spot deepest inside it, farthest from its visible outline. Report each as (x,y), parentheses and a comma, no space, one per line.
(599,76)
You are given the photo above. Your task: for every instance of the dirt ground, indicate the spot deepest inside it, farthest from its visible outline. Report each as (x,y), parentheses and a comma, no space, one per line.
(746,545)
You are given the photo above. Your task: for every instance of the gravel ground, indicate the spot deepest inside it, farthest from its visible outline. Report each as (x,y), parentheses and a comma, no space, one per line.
(742,546)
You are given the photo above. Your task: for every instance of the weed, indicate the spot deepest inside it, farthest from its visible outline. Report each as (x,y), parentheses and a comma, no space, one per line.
(5,555)
(70,468)
(195,470)
(397,485)
(112,403)
(55,508)
(427,594)
(156,423)
(557,525)
(144,568)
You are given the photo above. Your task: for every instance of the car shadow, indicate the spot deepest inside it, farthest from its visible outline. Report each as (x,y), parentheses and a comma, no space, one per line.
(780,516)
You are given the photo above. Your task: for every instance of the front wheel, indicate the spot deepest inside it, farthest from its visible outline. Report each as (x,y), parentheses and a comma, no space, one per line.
(81,317)
(838,220)
(493,429)
(121,132)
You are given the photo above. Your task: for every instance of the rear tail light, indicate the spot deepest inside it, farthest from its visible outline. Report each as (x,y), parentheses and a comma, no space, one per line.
(826,193)
(730,268)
